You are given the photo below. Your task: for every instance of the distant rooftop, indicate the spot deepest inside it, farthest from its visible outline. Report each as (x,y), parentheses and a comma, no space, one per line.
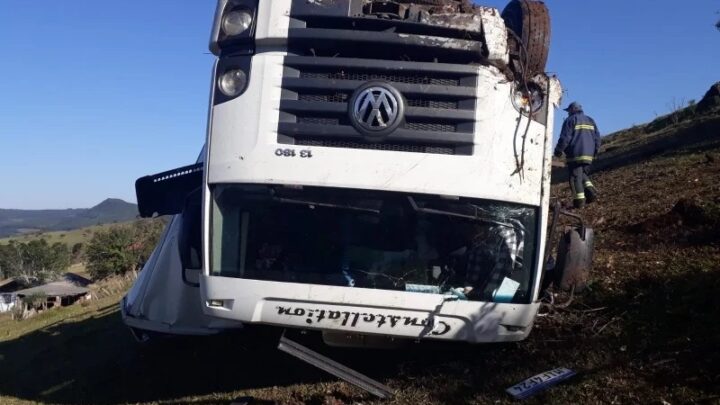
(55,289)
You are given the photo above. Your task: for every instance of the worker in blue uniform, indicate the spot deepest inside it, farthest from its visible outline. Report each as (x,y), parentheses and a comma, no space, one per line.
(580,142)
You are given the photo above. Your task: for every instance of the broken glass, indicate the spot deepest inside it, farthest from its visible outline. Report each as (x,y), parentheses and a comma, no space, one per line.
(466,249)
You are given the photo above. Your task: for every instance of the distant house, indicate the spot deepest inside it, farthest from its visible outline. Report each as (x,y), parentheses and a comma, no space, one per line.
(70,289)
(8,299)
(56,294)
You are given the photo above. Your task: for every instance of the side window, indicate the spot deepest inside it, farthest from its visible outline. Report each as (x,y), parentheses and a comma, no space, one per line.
(190,243)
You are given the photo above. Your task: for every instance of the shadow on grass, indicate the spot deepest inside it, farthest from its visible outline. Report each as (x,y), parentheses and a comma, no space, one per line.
(669,326)
(661,338)
(673,324)
(97,361)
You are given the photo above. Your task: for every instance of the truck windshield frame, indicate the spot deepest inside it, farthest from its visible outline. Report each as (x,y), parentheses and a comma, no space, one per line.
(463,248)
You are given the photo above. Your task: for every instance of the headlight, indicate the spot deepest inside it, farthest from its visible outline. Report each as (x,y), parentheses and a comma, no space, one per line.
(528,100)
(236,22)
(232,82)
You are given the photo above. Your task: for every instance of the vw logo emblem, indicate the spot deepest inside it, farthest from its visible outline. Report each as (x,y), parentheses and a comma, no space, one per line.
(376,109)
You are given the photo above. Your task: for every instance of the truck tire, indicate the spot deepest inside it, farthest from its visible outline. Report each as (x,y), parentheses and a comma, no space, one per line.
(574,261)
(530,21)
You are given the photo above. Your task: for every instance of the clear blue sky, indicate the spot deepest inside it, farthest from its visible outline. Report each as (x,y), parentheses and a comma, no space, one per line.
(94,94)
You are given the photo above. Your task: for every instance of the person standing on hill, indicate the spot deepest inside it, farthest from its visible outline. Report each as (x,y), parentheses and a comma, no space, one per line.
(580,141)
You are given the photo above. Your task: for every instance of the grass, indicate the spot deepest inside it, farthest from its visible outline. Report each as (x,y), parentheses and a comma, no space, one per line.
(70,238)
(646,331)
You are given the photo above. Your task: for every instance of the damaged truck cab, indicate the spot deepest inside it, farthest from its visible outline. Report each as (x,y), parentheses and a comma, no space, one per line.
(371,168)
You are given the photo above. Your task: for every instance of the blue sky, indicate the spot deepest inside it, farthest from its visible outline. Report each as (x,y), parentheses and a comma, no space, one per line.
(95,94)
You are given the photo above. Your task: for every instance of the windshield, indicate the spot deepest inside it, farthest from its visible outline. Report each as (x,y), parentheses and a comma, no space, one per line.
(464,248)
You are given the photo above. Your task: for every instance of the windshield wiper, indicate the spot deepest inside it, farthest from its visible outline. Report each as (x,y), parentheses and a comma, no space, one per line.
(324,204)
(434,211)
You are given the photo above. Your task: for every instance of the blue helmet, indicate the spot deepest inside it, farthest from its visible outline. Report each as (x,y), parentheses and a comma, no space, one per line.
(574,107)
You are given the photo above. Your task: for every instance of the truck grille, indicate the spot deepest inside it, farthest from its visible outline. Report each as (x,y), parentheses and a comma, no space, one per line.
(442,150)
(392,78)
(332,29)
(335,47)
(440,104)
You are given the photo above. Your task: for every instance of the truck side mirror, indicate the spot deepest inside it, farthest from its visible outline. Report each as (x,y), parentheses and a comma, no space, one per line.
(164,193)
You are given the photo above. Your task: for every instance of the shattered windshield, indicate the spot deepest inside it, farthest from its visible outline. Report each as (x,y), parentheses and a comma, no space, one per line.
(463,248)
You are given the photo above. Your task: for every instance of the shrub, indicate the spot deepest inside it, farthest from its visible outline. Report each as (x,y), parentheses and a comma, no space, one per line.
(35,300)
(121,249)
(109,252)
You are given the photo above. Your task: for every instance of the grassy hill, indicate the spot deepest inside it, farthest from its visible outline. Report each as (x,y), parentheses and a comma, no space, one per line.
(70,238)
(17,222)
(646,331)
(692,129)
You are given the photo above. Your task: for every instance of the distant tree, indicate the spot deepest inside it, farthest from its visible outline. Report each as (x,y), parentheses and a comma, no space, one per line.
(5,260)
(34,262)
(123,248)
(109,252)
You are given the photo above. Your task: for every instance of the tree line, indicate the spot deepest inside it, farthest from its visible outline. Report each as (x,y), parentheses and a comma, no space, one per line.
(114,251)
(34,262)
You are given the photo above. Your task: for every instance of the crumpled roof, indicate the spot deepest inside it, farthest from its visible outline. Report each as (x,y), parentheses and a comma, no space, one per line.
(55,289)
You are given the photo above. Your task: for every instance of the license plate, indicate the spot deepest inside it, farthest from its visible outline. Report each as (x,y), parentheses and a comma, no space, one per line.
(539,382)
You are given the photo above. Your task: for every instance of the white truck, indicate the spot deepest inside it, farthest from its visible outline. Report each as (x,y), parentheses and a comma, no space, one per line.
(371,168)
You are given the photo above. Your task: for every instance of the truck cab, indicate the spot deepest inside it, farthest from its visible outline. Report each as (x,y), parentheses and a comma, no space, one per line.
(371,168)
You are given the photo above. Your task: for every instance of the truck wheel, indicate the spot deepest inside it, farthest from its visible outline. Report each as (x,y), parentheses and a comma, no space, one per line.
(574,259)
(530,21)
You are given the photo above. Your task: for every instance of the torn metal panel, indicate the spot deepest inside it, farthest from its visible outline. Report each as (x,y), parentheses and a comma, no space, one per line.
(326,364)
(556,91)
(440,42)
(496,36)
(466,22)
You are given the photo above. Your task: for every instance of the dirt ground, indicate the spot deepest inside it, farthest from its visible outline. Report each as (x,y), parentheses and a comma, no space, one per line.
(646,331)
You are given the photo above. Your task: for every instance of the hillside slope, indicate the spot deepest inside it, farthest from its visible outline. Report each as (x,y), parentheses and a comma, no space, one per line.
(15,221)
(693,128)
(69,238)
